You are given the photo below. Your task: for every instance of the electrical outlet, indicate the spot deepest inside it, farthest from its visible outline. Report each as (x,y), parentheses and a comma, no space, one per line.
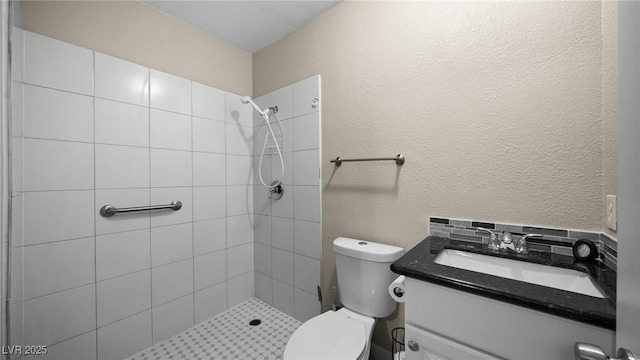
(611,212)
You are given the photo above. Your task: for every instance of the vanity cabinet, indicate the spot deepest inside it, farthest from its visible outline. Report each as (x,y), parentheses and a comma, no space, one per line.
(449,324)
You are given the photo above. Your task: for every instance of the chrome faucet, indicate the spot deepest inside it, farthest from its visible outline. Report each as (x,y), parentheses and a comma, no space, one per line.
(506,241)
(494,243)
(521,244)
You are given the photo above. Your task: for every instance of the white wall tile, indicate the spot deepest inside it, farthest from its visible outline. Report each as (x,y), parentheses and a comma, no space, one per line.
(209,236)
(306,305)
(60,316)
(121,198)
(210,269)
(125,337)
(170,130)
(171,243)
(122,253)
(44,222)
(17,327)
(170,168)
(306,132)
(209,136)
(120,167)
(282,233)
(169,92)
(239,260)
(262,256)
(172,318)
(306,167)
(17,109)
(264,169)
(240,289)
(264,287)
(208,202)
(239,200)
(287,128)
(208,169)
(262,229)
(17,54)
(56,64)
(171,281)
(303,94)
(307,203)
(17,166)
(239,170)
(283,207)
(57,165)
(282,266)
(238,140)
(239,230)
(307,273)
(81,347)
(120,80)
(308,237)
(123,296)
(58,266)
(208,102)
(210,301)
(283,99)
(261,200)
(237,112)
(121,124)
(17,220)
(283,297)
(57,115)
(259,133)
(276,168)
(161,196)
(17,284)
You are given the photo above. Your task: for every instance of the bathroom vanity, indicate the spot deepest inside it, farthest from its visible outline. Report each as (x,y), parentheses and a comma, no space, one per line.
(454,313)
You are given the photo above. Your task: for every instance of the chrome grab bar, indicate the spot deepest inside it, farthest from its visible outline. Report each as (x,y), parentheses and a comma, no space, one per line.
(399,159)
(110,210)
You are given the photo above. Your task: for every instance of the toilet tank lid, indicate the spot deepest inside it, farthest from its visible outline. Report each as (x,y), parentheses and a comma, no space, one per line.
(367,250)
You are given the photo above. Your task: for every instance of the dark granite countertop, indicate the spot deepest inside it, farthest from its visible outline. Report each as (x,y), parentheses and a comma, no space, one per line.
(418,263)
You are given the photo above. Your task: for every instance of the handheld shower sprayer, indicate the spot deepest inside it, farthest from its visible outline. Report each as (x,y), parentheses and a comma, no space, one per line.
(247,100)
(275,189)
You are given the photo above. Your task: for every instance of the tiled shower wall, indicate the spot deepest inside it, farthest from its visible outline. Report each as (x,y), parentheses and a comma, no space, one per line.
(288,238)
(90,130)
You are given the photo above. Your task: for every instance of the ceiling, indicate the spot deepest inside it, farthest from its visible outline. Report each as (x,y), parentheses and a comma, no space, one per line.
(247,24)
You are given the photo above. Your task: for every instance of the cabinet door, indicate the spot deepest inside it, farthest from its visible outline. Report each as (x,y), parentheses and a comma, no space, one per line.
(429,346)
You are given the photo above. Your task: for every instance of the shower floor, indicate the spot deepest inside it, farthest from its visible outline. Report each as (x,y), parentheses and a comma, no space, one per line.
(229,336)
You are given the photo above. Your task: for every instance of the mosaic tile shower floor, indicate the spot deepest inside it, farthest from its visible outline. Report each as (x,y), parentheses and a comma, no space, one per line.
(228,336)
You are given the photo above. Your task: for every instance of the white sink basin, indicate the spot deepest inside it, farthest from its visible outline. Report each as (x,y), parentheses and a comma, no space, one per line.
(554,277)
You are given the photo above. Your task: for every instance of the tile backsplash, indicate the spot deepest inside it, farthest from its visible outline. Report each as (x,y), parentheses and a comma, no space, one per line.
(557,241)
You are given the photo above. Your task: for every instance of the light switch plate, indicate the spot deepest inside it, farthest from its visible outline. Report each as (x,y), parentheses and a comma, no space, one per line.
(611,212)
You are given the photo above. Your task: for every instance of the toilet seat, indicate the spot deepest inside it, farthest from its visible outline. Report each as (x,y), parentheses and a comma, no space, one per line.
(327,336)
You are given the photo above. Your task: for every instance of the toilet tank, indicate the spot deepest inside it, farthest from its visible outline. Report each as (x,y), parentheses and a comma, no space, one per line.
(364,275)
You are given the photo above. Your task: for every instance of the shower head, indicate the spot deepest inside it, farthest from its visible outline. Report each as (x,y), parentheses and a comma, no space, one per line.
(247,100)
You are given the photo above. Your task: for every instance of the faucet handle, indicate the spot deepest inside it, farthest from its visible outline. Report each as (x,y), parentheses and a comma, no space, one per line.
(494,243)
(521,244)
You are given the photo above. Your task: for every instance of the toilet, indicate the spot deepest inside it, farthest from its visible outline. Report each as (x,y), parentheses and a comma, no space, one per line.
(363,278)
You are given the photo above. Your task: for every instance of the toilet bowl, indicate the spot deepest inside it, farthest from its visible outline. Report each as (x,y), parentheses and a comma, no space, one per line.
(363,277)
(335,335)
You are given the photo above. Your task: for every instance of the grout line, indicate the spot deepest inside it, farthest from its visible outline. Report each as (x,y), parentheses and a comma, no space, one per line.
(150,195)
(95,201)
(193,250)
